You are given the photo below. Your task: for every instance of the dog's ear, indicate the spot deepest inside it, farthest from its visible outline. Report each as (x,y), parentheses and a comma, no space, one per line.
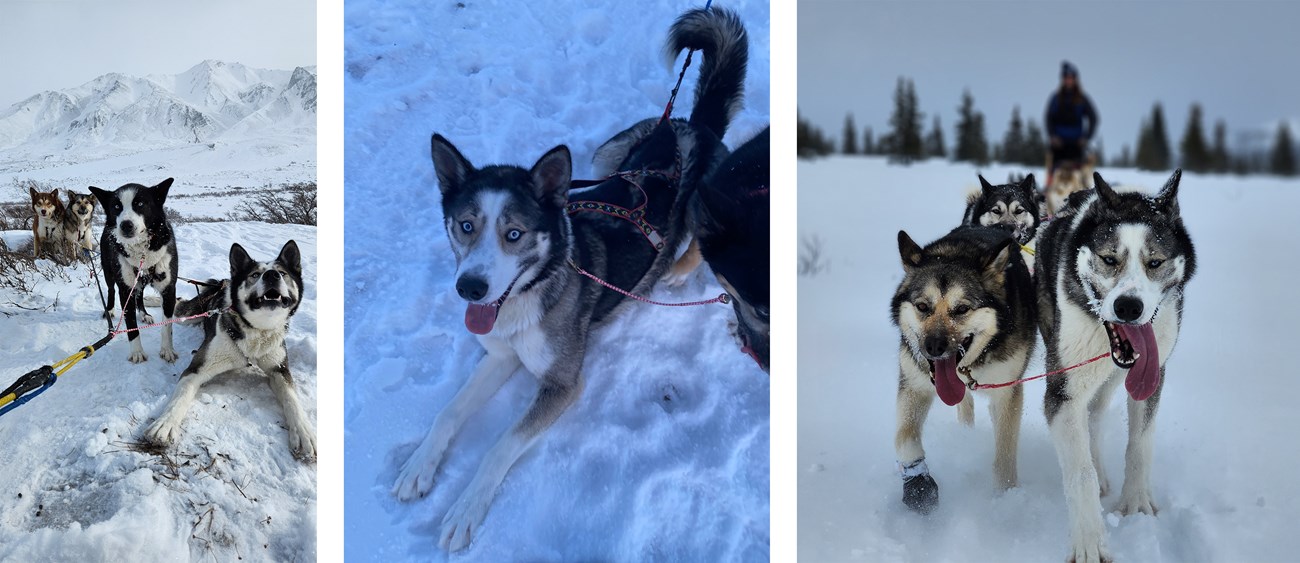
(240,261)
(910,251)
(290,258)
(551,176)
(1167,199)
(985,186)
(995,261)
(448,164)
(1108,194)
(160,191)
(33,190)
(101,195)
(55,194)
(1029,185)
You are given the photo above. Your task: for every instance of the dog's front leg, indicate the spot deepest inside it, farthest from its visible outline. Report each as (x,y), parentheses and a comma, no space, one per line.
(168,353)
(416,476)
(302,435)
(558,390)
(1007,407)
(920,492)
(167,428)
(1136,494)
(128,310)
(1069,429)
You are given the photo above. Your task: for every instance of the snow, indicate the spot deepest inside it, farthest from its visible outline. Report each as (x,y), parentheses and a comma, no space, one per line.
(75,490)
(665,456)
(219,128)
(1222,475)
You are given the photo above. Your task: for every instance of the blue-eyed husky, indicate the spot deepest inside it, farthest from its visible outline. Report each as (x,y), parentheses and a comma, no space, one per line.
(518,248)
(1111,272)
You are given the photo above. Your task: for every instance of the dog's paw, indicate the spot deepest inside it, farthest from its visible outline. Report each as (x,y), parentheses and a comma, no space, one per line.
(921,493)
(168,354)
(1133,502)
(416,477)
(137,357)
(163,431)
(148,319)
(1090,554)
(677,279)
(464,521)
(302,442)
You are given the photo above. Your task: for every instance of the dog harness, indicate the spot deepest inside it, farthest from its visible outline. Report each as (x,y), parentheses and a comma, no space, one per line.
(636,215)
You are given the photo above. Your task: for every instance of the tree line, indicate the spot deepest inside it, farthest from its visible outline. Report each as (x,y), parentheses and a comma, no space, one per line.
(1024,142)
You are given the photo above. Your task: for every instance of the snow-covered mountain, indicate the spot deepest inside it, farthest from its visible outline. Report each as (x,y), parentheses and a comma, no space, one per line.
(120,114)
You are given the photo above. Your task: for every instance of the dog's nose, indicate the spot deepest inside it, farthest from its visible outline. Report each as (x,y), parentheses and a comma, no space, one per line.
(128,228)
(936,346)
(1128,308)
(471,288)
(271,278)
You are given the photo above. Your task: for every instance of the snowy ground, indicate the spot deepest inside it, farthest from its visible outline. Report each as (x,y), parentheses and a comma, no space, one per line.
(1224,459)
(665,456)
(75,490)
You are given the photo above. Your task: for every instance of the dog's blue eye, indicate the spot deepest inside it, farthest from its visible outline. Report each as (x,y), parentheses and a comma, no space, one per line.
(1109,260)
(514,235)
(1153,264)
(467,226)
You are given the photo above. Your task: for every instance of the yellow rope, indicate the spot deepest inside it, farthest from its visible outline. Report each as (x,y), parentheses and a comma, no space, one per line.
(1027,249)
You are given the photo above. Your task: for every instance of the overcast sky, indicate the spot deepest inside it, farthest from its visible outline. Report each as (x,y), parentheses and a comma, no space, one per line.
(1240,60)
(57,44)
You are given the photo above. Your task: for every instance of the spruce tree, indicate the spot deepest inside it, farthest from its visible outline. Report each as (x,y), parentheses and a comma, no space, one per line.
(905,136)
(868,142)
(1220,161)
(1196,156)
(934,145)
(1283,160)
(1013,143)
(1153,143)
(1035,146)
(972,146)
(850,145)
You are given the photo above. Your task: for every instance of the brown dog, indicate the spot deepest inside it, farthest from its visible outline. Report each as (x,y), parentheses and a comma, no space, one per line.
(47,225)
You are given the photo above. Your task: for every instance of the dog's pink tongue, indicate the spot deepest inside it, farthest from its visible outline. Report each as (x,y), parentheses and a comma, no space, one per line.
(950,389)
(1144,377)
(480,318)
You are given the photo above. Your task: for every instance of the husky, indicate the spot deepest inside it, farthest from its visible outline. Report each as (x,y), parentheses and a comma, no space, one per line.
(135,229)
(1111,278)
(76,232)
(518,251)
(966,313)
(255,306)
(1013,206)
(1068,178)
(47,221)
(731,221)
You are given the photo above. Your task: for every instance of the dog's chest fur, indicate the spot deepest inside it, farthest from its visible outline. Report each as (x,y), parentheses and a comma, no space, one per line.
(49,227)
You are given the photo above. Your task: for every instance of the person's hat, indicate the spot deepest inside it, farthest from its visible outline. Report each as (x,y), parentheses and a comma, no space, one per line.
(1068,69)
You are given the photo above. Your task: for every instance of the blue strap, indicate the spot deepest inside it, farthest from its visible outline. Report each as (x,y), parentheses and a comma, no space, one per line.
(28,396)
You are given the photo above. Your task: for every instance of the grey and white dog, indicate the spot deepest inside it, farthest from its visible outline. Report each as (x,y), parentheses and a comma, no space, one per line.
(256,304)
(1112,268)
(517,249)
(965,311)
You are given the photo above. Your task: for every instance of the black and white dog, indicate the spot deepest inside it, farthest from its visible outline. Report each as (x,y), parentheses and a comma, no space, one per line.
(256,304)
(1012,206)
(518,250)
(135,229)
(731,216)
(1112,267)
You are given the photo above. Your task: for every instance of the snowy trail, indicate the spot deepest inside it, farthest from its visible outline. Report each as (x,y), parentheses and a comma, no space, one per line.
(665,455)
(74,490)
(1224,458)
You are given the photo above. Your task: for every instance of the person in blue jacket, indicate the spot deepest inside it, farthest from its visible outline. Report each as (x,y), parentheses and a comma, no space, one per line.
(1071,120)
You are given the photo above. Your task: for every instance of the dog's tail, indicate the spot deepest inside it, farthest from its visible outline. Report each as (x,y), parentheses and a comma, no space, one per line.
(213,296)
(721,36)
